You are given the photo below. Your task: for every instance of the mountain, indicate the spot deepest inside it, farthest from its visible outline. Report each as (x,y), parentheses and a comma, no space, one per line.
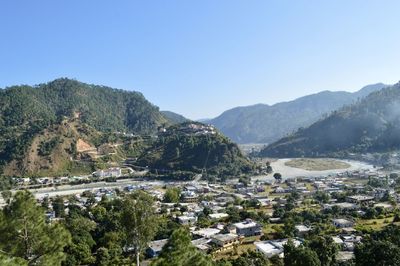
(53,150)
(263,123)
(174,118)
(372,124)
(31,115)
(101,107)
(66,127)
(195,147)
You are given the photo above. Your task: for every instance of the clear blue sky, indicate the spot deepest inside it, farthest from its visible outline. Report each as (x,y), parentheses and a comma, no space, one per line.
(199,58)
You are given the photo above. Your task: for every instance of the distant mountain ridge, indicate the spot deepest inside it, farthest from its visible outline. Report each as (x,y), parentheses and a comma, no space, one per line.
(369,125)
(174,117)
(262,123)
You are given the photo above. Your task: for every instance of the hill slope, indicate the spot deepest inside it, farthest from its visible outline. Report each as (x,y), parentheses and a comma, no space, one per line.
(174,118)
(370,125)
(193,147)
(101,107)
(28,112)
(264,124)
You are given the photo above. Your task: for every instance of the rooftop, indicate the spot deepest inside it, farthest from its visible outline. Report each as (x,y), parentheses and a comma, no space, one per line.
(225,237)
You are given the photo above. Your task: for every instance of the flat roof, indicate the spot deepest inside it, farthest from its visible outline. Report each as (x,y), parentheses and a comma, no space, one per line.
(245,224)
(158,245)
(225,237)
(342,221)
(218,215)
(207,232)
(274,247)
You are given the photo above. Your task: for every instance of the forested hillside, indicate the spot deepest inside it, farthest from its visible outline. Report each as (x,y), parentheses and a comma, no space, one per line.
(29,113)
(67,127)
(101,107)
(195,147)
(263,123)
(174,117)
(370,125)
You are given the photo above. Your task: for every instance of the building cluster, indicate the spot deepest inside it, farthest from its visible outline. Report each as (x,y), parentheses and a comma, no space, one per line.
(222,217)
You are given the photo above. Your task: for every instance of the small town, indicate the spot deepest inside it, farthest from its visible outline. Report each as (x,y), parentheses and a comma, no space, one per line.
(199,133)
(245,215)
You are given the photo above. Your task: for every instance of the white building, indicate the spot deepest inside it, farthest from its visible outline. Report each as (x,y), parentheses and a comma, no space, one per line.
(274,247)
(110,172)
(248,228)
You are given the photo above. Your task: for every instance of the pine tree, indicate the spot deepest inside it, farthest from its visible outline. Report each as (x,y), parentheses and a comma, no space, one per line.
(25,234)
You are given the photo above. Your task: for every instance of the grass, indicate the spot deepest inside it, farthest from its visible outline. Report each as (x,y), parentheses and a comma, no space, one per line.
(317,164)
(374,224)
(271,228)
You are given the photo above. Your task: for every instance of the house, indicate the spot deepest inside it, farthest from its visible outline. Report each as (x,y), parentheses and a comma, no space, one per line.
(342,223)
(218,216)
(110,172)
(225,241)
(155,248)
(342,206)
(206,232)
(264,202)
(360,199)
(189,196)
(202,244)
(248,228)
(302,230)
(187,220)
(271,248)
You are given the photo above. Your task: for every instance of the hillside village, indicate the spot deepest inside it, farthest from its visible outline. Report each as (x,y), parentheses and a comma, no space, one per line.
(243,215)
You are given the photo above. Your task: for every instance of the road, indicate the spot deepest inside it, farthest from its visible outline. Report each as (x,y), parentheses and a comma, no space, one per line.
(77,189)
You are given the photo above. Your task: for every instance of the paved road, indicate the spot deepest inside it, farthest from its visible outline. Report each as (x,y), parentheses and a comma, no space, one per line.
(77,189)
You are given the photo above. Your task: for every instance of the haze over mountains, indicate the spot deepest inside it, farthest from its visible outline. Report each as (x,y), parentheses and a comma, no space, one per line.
(264,123)
(369,125)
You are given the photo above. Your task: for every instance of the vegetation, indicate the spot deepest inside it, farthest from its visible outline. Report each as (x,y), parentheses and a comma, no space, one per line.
(174,118)
(180,251)
(381,248)
(317,164)
(265,124)
(172,195)
(370,125)
(26,237)
(138,221)
(26,112)
(178,150)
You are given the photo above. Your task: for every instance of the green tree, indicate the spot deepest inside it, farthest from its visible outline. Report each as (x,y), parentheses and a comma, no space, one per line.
(6,194)
(278,177)
(80,249)
(252,258)
(139,221)
(322,197)
(58,207)
(8,261)
(378,253)
(25,234)
(300,256)
(179,251)
(325,248)
(172,195)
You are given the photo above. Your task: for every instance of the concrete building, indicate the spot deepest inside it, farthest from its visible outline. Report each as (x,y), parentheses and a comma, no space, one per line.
(342,223)
(271,248)
(155,248)
(248,228)
(225,241)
